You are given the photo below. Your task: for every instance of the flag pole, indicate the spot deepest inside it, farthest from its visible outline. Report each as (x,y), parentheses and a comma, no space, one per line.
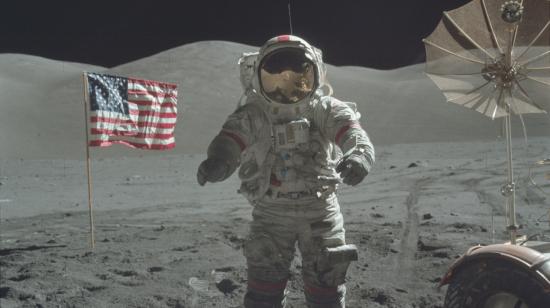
(88,165)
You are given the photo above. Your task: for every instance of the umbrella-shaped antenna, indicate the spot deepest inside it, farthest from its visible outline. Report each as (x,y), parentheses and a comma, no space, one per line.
(493,57)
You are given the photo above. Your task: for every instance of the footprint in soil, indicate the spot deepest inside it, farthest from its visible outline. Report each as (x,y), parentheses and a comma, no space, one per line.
(430,245)
(236,241)
(20,277)
(462,226)
(227,286)
(441,254)
(225,269)
(124,273)
(7,292)
(155,269)
(94,288)
(428,302)
(378,296)
(191,249)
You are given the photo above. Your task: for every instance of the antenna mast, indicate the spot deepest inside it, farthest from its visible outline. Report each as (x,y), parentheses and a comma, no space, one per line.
(290,18)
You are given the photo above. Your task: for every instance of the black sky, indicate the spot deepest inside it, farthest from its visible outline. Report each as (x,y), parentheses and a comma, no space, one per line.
(379,34)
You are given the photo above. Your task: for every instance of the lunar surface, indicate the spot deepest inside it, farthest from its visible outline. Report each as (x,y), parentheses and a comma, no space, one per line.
(164,241)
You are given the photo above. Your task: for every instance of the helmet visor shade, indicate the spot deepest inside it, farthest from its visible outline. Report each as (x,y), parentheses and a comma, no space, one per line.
(287,76)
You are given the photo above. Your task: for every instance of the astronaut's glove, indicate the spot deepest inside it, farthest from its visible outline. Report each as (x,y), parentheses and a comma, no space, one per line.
(354,167)
(212,170)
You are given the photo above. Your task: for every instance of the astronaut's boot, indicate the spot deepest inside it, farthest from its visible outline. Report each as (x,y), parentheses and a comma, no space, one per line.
(265,294)
(325,297)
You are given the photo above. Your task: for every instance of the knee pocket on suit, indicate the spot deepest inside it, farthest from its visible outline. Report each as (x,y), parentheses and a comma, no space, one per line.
(332,264)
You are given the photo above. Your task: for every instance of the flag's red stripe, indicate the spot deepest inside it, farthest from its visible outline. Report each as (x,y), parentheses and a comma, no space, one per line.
(145,113)
(147,124)
(155,94)
(102,143)
(118,133)
(95,119)
(109,132)
(146,95)
(149,103)
(156,83)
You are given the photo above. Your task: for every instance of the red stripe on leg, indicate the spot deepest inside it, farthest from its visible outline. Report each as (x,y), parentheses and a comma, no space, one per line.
(320,291)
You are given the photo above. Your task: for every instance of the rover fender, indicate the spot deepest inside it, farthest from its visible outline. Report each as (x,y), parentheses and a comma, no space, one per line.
(530,260)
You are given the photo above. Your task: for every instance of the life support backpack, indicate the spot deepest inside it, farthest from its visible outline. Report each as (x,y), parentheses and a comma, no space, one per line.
(247,63)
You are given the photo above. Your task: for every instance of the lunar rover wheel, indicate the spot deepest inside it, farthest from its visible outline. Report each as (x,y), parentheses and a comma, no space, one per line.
(493,283)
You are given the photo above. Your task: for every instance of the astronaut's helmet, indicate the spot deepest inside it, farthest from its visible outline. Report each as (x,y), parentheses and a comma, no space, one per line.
(287,75)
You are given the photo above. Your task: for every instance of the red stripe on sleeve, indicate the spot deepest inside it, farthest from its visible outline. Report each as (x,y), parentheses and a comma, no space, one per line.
(344,129)
(235,138)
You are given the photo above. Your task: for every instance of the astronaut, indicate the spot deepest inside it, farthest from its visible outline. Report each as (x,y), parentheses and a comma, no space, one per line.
(294,143)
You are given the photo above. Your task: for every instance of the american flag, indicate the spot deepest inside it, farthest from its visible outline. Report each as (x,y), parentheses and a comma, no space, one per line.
(135,112)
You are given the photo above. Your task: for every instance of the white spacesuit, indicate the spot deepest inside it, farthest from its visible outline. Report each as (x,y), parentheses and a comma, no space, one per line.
(294,143)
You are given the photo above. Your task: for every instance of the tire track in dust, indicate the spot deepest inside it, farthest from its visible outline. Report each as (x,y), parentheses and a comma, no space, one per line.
(409,236)
(484,197)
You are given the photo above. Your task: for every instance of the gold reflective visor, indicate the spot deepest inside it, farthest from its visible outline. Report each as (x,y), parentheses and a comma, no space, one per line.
(288,87)
(287,76)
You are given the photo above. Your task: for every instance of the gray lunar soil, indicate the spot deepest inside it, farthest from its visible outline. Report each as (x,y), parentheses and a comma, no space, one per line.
(164,241)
